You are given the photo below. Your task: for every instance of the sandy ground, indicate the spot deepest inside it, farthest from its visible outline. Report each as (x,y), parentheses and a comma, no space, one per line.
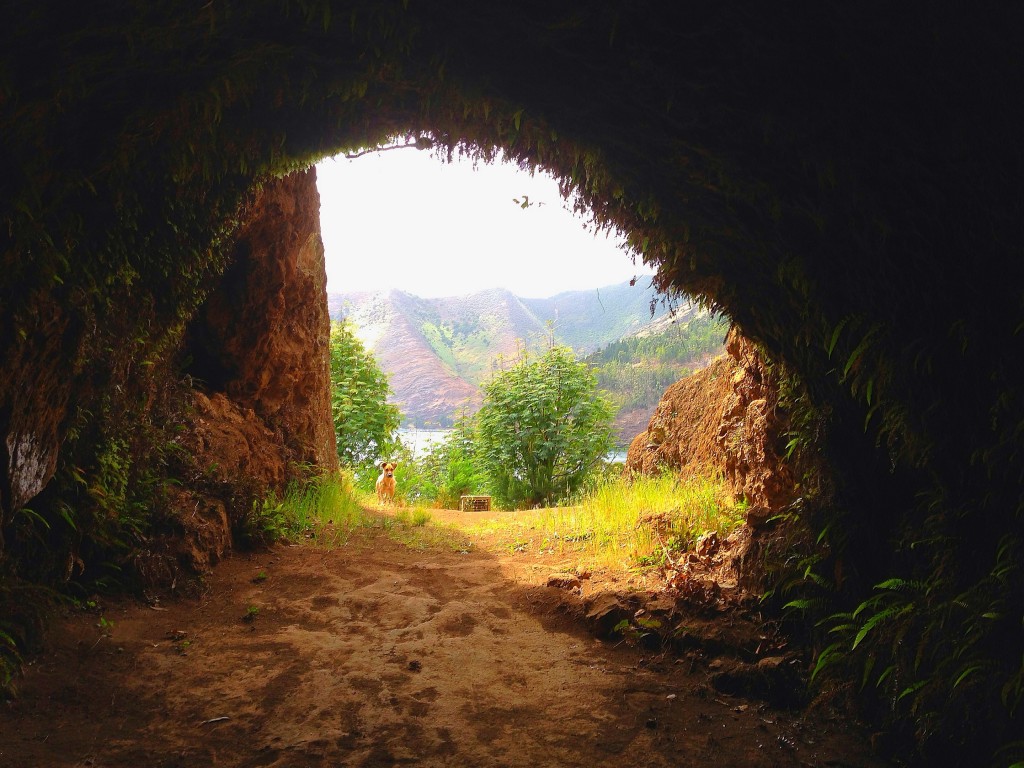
(377,654)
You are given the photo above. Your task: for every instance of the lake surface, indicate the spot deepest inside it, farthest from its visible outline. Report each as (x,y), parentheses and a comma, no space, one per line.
(420,441)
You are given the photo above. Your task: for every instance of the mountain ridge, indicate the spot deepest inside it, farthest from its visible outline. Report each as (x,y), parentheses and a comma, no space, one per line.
(437,351)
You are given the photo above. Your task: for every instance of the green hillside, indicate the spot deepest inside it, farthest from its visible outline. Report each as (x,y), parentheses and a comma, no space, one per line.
(638,369)
(437,351)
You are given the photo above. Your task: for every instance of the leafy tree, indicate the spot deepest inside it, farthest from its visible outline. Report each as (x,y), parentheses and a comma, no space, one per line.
(365,424)
(542,429)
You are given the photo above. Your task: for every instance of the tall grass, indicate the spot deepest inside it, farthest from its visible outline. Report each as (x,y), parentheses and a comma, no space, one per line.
(641,521)
(322,505)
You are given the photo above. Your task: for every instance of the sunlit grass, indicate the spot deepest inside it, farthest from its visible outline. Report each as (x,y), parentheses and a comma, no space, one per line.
(412,517)
(620,523)
(327,500)
(640,521)
(323,507)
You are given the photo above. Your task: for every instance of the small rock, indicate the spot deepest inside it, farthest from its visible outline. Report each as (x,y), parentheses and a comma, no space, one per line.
(707,544)
(565,581)
(606,614)
(757,517)
(771,679)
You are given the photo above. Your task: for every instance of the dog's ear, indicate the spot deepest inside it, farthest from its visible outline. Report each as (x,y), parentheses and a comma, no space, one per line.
(394,465)
(382,464)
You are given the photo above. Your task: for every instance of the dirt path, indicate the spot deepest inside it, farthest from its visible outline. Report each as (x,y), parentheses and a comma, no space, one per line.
(375,654)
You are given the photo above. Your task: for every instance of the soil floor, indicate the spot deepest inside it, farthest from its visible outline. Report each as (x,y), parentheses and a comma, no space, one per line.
(375,653)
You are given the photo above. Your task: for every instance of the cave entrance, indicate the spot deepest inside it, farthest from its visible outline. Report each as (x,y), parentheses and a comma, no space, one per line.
(447,265)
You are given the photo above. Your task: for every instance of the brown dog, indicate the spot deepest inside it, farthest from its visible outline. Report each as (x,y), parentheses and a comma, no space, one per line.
(386,482)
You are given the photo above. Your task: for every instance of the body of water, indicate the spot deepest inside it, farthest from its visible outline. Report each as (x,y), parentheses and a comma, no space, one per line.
(420,441)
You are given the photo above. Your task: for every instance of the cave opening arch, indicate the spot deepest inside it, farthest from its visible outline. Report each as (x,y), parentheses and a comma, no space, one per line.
(846,190)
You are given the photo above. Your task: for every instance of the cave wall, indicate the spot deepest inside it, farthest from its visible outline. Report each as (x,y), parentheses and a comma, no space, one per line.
(256,361)
(232,406)
(262,337)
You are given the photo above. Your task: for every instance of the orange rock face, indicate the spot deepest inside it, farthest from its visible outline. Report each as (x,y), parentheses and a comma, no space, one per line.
(725,419)
(260,415)
(262,338)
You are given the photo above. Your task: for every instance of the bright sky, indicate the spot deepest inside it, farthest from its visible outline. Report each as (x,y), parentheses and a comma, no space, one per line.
(404,219)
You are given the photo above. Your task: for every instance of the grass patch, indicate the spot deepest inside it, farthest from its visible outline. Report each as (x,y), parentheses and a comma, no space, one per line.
(640,520)
(326,507)
(413,517)
(621,523)
(414,527)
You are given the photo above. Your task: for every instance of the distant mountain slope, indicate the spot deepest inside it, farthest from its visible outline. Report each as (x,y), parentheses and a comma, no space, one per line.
(438,351)
(637,369)
(588,320)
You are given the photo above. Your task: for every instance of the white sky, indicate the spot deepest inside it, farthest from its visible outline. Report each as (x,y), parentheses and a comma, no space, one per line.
(404,219)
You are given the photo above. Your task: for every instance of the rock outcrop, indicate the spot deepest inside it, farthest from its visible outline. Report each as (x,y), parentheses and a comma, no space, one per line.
(751,430)
(725,419)
(257,413)
(33,404)
(263,336)
(259,352)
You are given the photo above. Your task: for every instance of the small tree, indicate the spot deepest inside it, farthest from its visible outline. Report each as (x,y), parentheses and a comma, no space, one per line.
(365,424)
(543,428)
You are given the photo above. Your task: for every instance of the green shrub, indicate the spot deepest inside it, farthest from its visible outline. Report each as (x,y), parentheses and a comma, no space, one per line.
(306,508)
(542,430)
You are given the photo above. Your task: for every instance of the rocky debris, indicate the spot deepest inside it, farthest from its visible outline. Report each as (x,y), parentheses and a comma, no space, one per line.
(565,581)
(207,530)
(706,545)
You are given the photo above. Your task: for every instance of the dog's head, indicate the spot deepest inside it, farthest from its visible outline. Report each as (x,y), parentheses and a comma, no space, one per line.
(387,468)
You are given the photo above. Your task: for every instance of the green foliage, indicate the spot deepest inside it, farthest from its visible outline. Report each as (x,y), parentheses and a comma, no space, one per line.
(542,430)
(24,609)
(678,344)
(365,424)
(453,468)
(928,657)
(324,506)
